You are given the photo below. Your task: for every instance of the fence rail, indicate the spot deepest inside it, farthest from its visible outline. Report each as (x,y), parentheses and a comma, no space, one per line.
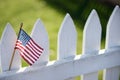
(68,64)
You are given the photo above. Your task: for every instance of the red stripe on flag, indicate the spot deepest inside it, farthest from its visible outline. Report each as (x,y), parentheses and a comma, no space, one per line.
(33,48)
(29,62)
(26,50)
(28,57)
(35,58)
(32,51)
(36,46)
(22,49)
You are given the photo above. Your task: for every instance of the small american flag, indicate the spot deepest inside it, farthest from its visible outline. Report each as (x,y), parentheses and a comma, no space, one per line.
(29,50)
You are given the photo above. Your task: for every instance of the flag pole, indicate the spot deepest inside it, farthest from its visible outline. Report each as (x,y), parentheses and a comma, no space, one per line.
(14,49)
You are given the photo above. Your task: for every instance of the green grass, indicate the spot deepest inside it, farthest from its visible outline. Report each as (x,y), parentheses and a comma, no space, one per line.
(28,11)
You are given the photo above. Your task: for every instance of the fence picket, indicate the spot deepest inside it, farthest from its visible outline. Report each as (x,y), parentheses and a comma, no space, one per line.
(91,40)
(40,36)
(67,38)
(8,41)
(112,40)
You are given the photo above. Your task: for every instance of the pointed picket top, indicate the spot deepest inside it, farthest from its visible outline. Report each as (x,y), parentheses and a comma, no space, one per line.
(113,39)
(67,38)
(92,33)
(40,36)
(8,41)
(113,29)
(91,40)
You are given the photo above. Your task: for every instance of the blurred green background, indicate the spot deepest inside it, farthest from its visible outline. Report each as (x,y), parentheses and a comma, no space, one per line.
(52,13)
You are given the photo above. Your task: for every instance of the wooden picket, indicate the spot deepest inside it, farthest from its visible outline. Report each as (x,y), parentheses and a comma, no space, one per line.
(40,36)
(91,40)
(6,50)
(68,64)
(112,40)
(67,38)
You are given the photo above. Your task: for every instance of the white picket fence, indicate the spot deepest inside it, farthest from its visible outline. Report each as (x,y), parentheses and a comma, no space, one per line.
(68,64)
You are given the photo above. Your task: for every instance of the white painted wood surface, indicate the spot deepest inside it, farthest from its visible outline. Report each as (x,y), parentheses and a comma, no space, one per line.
(91,41)
(67,38)
(68,64)
(8,41)
(60,70)
(40,36)
(113,40)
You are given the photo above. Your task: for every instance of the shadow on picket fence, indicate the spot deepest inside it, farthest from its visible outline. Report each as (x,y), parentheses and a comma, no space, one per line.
(68,64)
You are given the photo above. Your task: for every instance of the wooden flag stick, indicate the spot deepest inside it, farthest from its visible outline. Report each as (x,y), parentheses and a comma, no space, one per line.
(11,61)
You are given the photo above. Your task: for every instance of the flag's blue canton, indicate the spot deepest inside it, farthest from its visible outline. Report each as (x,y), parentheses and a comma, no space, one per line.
(24,37)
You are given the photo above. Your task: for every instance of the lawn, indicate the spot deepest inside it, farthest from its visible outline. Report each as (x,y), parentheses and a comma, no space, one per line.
(28,11)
